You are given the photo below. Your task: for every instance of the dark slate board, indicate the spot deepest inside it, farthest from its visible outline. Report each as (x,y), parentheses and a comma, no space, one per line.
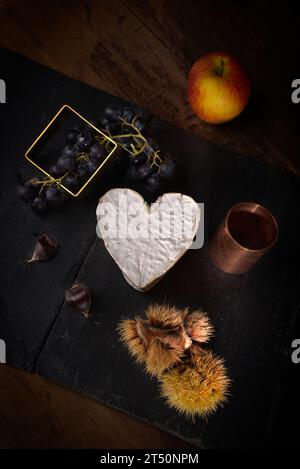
(252,313)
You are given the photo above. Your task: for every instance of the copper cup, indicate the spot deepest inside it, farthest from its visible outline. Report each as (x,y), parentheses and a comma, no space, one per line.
(247,233)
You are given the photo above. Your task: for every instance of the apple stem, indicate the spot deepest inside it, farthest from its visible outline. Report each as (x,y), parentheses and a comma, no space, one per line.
(220,68)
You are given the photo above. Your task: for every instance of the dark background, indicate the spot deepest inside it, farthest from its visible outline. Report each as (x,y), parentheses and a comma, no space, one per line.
(142,51)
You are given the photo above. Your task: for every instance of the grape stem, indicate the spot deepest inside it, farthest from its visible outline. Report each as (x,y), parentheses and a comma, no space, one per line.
(128,130)
(83,156)
(47,182)
(154,157)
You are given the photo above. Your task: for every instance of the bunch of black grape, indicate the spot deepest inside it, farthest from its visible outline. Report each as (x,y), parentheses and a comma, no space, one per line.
(77,162)
(149,170)
(140,165)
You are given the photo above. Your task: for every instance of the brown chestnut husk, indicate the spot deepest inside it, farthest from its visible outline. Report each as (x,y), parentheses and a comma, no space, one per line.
(45,248)
(79,298)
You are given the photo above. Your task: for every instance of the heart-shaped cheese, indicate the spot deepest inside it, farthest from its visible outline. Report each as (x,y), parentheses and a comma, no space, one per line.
(146,241)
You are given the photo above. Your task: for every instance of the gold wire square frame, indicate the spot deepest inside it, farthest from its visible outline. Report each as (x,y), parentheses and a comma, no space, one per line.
(62,109)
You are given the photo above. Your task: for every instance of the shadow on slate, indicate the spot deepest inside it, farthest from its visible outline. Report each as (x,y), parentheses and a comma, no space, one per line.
(252,314)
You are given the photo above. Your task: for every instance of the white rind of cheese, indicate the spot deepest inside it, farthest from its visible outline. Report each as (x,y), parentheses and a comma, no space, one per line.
(146,241)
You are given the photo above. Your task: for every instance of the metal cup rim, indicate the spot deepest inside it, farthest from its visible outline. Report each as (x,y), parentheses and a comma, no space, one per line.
(264,209)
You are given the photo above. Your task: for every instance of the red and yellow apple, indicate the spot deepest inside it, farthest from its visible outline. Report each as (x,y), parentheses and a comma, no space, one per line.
(218,87)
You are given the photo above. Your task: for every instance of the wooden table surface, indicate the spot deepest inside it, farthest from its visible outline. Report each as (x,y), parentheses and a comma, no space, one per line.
(142,51)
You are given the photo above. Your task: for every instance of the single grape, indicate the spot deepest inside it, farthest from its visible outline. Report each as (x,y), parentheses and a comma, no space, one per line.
(25,192)
(66,163)
(113,113)
(71,136)
(140,125)
(52,195)
(97,151)
(63,195)
(144,172)
(154,183)
(70,181)
(153,143)
(39,204)
(55,171)
(80,138)
(131,174)
(83,142)
(92,165)
(104,121)
(68,151)
(128,115)
(78,148)
(169,170)
(82,170)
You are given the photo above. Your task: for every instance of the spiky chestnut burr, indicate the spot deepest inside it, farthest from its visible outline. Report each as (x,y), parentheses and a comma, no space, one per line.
(165,316)
(161,340)
(198,326)
(154,347)
(129,335)
(196,386)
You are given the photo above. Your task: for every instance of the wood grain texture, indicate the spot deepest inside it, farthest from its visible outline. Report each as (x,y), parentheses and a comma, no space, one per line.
(142,51)
(38,414)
